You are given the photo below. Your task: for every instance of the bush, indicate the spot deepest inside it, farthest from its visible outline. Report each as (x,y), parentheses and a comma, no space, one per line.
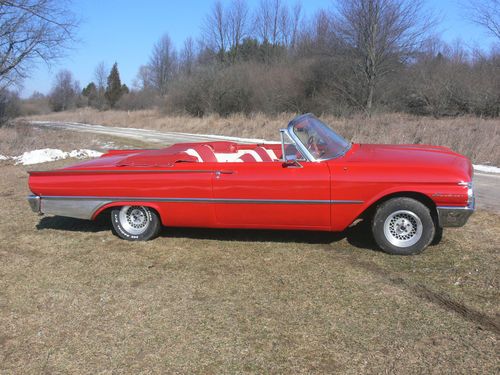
(137,100)
(9,105)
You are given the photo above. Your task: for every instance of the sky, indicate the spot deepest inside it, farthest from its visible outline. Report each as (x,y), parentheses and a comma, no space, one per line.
(124,31)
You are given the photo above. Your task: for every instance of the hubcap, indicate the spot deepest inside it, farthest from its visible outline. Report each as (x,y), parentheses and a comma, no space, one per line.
(403,228)
(134,219)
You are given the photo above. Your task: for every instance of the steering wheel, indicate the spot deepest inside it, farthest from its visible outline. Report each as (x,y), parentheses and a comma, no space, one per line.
(312,146)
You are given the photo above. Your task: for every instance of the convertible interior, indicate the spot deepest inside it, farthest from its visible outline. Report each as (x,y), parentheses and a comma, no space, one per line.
(206,153)
(210,152)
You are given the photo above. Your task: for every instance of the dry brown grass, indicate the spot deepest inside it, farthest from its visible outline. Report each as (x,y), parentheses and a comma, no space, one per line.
(76,299)
(477,138)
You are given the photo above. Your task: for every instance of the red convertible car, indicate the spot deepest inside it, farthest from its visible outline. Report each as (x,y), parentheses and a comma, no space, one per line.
(313,180)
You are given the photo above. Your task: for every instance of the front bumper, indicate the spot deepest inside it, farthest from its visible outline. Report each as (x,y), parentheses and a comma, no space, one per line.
(455,216)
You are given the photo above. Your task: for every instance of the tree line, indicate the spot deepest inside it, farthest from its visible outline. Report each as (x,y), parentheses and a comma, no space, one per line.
(361,55)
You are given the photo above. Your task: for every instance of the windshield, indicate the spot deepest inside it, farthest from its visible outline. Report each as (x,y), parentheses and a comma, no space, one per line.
(321,141)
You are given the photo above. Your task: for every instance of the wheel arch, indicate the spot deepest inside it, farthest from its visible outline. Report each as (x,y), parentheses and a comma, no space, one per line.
(106,208)
(418,196)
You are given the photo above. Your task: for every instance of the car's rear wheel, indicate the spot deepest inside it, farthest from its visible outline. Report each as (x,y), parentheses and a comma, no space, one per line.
(403,226)
(135,223)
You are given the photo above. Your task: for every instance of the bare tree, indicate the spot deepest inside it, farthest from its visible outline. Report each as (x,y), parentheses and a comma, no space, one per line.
(162,64)
(143,79)
(380,34)
(291,27)
(32,31)
(188,57)
(267,20)
(288,24)
(215,30)
(486,13)
(322,34)
(101,73)
(237,26)
(65,91)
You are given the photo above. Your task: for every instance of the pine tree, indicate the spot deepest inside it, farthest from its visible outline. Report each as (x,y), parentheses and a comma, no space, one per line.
(90,92)
(114,89)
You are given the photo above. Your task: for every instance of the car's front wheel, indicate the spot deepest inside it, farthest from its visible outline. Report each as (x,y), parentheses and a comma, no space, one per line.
(403,226)
(135,223)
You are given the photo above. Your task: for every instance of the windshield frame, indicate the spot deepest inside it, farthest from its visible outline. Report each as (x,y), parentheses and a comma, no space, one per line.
(303,149)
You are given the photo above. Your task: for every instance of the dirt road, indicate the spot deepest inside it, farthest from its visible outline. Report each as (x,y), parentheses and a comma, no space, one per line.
(487,186)
(145,135)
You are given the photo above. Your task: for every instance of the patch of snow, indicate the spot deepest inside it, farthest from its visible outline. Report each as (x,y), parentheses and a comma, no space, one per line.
(40,156)
(84,153)
(50,154)
(3,157)
(486,168)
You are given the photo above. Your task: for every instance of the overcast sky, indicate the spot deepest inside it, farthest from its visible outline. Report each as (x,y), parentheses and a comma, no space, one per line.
(125,31)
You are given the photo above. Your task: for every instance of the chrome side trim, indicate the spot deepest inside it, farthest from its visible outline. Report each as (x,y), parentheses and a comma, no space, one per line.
(346,201)
(132,171)
(203,200)
(78,208)
(84,207)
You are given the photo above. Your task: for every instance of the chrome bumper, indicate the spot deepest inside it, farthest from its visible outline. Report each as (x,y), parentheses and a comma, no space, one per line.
(455,216)
(34,201)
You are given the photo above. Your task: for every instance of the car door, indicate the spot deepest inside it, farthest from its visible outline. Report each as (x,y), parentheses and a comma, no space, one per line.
(271,195)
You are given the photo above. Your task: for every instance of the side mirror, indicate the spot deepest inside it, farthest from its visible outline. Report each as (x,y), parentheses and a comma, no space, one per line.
(291,164)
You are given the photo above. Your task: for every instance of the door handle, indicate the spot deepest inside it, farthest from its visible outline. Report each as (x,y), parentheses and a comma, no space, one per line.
(218,173)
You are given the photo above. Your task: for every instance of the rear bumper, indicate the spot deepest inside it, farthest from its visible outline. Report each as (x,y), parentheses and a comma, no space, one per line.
(34,201)
(455,216)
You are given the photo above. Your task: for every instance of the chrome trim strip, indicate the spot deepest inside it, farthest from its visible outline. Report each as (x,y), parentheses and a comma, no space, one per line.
(282,137)
(98,171)
(84,207)
(204,200)
(346,201)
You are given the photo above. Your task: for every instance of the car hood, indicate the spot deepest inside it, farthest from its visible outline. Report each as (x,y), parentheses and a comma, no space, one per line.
(410,159)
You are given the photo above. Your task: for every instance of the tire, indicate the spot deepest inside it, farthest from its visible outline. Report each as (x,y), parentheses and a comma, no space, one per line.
(135,223)
(403,226)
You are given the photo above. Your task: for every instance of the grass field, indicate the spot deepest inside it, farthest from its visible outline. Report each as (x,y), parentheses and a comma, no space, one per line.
(76,299)
(472,136)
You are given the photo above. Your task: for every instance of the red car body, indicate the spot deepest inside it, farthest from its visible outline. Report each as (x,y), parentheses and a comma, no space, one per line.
(255,187)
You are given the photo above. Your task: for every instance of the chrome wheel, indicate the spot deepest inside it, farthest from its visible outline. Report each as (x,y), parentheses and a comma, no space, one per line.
(134,219)
(403,228)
